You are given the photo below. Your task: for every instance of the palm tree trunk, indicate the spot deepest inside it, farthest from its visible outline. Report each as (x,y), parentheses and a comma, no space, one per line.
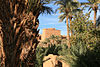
(13,27)
(11,54)
(71,25)
(2,57)
(68,37)
(95,12)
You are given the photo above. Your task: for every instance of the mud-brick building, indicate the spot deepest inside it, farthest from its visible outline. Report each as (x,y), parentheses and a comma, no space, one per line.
(49,32)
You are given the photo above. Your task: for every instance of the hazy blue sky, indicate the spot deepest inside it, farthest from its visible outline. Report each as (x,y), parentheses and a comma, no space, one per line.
(52,21)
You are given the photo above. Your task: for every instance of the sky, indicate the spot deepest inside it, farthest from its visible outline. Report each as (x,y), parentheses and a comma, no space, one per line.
(52,21)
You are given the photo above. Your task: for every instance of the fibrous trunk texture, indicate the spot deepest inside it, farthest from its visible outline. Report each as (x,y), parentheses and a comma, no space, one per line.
(68,37)
(71,25)
(18,29)
(95,8)
(95,12)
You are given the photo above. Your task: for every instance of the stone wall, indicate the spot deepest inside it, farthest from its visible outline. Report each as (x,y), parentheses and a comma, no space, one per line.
(51,61)
(48,32)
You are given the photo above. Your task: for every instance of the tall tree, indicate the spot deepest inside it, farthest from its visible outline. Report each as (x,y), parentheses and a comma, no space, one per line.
(74,9)
(18,27)
(66,7)
(93,5)
(84,44)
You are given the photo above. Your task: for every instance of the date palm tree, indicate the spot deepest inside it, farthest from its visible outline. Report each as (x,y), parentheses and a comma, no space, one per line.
(66,7)
(18,27)
(93,5)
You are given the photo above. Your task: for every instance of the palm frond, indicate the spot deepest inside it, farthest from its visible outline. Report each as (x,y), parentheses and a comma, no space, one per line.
(39,7)
(77,10)
(61,9)
(46,9)
(58,2)
(85,3)
(89,8)
(66,6)
(62,17)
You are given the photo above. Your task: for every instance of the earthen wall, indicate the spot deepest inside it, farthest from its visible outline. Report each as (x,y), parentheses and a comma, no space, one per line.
(50,31)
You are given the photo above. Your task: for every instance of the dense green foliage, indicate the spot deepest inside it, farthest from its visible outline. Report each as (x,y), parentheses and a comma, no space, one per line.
(83,30)
(39,7)
(80,55)
(85,44)
(41,52)
(54,40)
(67,7)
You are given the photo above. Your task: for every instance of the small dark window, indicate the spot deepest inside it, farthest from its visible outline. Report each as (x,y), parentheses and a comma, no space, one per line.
(59,64)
